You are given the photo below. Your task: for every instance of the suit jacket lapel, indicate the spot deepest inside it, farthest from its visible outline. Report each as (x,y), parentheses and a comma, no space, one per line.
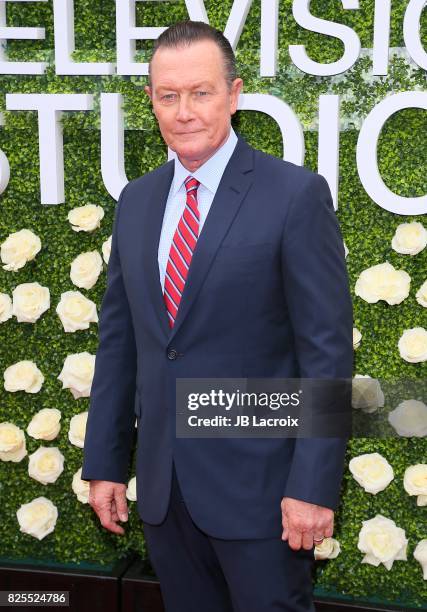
(152,225)
(231,191)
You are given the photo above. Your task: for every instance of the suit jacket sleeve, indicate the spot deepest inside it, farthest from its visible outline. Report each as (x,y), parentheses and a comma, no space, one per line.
(320,307)
(111,421)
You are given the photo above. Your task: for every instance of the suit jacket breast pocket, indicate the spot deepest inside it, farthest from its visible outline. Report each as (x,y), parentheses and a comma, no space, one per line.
(235,268)
(244,253)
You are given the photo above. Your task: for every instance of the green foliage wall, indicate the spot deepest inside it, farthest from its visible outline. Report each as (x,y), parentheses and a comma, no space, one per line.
(367,230)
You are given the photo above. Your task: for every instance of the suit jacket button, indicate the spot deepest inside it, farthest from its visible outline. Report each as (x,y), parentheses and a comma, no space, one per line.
(172,354)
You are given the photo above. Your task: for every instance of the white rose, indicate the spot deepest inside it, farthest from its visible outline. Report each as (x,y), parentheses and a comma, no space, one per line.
(30,301)
(18,248)
(45,424)
(86,218)
(409,419)
(5,307)
(46,464)
(420,554)
(23,376)
(77,431)
(357,336)
(131,489)
(421,294)
(106,249)
(382,542)
(413,345)
(85,269)
(38,517)
(366,393)
(329,549)
(372,471)
(77,374)
(415,482)
(81,487)
(383,282)
(12,442)
(409,238)
(76,311)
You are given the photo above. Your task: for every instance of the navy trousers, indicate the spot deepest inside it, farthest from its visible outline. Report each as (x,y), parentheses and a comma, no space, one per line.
(199,573)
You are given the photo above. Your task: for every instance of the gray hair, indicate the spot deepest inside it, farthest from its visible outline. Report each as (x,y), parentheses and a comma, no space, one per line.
(184,33)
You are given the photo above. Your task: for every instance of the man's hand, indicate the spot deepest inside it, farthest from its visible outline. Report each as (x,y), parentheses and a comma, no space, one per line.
(108,499)
(304,522)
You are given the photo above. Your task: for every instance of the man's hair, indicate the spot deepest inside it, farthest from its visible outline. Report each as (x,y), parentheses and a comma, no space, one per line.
(184,33)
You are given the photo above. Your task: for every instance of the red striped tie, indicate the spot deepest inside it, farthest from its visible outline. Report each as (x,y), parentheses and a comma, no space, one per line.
(181,251)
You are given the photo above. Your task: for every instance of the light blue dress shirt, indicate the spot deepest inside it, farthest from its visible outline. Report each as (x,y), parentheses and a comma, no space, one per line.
(209,174)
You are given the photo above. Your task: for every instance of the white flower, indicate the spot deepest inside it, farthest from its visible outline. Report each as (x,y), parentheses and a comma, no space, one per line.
(409,419)
(38,517)
(382,542)
(77,431)
(366,393)
(420,554)
(85,269)
(413,345)
(5,307)
(328,549)
(421,294)
(77,373)
(357,336)
(106,249)
(30,301)
(12,442)
(45,424)
(23,376)
(46,464)
(131,489)
(346,251)
(76,311)
(409,238)
(415,482)
(383,282)
(86,218)
(81,487)
(372,471)
(18,248)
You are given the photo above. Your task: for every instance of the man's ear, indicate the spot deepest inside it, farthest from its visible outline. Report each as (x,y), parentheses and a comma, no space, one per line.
(148,91)
(236,88)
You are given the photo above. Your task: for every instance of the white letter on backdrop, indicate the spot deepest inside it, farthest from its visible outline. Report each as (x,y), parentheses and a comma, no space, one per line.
(6,33)
(63,14)
(269,26)
(381,37)
(411,32)
(51,151)
(366,154)
(112,144)
(351,41)
(329,142)
(4,165)
(127,33)
(288,122)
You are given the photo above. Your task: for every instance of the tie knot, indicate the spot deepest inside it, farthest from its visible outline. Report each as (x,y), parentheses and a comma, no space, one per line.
(191,183)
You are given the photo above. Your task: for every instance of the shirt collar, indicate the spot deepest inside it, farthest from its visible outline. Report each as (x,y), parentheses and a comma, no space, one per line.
(210,173)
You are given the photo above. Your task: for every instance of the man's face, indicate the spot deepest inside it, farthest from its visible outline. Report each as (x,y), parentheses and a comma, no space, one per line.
(192,100)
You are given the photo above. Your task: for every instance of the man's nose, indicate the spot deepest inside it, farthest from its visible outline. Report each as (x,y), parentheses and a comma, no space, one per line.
(185,109)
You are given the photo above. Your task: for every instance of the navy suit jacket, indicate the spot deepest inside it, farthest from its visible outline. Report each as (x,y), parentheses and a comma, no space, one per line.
(267,295)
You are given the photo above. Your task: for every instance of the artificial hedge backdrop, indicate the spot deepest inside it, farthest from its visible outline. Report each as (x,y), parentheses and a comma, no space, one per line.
(367,230)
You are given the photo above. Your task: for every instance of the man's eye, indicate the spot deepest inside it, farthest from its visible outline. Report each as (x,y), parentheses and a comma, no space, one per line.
(201,93)
(168,97)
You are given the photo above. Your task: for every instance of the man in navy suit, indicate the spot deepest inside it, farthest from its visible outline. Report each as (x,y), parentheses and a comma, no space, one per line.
(225,262)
